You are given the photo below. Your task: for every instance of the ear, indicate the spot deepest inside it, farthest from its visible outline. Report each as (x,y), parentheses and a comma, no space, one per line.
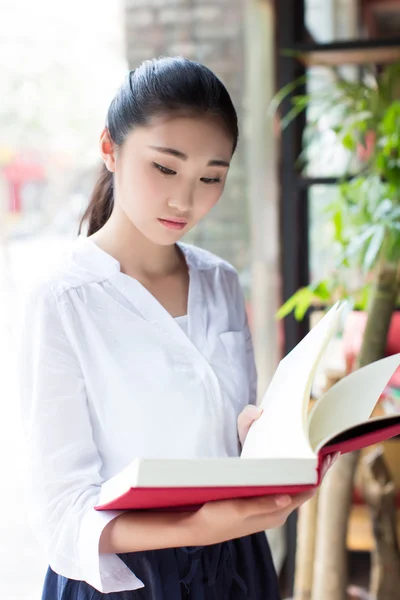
(107,150)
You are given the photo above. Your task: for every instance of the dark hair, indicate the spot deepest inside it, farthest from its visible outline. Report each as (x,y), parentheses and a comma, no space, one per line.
(157,87)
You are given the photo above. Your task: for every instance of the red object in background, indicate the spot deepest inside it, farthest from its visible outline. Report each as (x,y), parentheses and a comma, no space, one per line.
(352,338)
(364,152)
(19,172)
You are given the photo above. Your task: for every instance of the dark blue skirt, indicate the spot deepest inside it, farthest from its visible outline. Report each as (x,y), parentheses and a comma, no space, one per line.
(235,570)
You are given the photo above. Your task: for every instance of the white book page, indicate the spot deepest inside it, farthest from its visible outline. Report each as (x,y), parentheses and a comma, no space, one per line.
(282,429)
(350,401)
(216,472)
(208,472)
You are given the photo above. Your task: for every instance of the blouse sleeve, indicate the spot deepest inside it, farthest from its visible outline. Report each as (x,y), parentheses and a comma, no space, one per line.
(65,465)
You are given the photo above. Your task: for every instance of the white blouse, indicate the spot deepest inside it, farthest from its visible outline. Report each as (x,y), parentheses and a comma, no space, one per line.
(107,375)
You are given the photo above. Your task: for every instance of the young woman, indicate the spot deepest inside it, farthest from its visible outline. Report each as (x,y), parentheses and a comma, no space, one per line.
(139,346)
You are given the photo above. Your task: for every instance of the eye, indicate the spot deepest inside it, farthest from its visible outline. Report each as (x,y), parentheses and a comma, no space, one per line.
(209,181)
(164,170)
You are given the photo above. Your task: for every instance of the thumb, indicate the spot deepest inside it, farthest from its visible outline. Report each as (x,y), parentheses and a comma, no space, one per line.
(245,420)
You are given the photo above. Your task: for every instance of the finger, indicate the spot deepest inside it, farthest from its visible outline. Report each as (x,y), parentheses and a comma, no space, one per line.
(265,504)
(270,504)
(288,505)
(249,414)
(246,418)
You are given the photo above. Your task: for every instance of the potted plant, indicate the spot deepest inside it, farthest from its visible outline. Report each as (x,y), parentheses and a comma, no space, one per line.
(365,219)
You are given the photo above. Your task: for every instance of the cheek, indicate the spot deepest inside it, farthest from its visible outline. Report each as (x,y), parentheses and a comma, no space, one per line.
(207,198)
(142,191)
(150,196)
(151,184)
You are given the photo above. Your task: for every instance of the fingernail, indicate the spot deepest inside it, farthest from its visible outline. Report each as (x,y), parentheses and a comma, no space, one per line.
(253,412)
(283,500)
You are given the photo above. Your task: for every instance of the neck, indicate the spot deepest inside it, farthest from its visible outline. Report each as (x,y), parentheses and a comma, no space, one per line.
(136,254)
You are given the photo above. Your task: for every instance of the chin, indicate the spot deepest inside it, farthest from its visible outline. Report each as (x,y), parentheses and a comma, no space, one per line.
(167,238)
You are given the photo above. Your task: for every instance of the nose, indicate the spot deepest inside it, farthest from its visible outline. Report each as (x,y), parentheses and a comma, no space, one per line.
(182,200)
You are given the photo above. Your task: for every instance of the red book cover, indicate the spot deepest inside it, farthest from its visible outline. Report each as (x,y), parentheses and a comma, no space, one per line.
(190,498)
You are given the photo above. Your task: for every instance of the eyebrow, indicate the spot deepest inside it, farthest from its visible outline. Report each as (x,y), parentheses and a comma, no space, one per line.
(178,154)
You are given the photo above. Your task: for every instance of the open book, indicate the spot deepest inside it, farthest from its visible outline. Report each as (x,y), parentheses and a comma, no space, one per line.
(284,449)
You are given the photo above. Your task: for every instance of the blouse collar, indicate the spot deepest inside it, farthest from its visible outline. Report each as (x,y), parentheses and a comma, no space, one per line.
(100,264)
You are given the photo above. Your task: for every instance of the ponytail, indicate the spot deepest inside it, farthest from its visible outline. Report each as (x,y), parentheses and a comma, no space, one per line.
(101,202)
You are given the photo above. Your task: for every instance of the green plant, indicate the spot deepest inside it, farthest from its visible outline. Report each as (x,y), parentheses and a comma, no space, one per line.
(365,117)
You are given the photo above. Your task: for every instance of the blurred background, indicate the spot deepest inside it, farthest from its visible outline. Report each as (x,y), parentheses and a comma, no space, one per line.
(60,65)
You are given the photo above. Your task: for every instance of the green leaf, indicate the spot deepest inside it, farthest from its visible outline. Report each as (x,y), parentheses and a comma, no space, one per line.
(301,300)
(321,290)
(289,305)
(382,209)
(357,242)
(299,297)
(302,100)
(303,304)
(391,119)
(338,225)
(348,142)
(291,115)
(362,300)
(374,247)
(284,92)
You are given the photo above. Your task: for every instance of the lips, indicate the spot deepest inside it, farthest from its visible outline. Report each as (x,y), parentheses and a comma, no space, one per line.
(176,224)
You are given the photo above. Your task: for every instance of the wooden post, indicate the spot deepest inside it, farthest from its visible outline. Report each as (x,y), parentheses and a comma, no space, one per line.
(380,495)
(335,496)
(305,549)
(307,527)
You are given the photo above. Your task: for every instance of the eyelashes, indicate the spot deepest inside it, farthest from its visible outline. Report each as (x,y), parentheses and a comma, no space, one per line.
(164,170)
(208,181)
(170,172)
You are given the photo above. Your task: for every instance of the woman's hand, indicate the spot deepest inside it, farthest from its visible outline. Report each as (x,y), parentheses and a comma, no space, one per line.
(224,520)
(245,420)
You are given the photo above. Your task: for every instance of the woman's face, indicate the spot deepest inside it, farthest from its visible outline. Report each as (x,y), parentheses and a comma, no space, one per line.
(169,174)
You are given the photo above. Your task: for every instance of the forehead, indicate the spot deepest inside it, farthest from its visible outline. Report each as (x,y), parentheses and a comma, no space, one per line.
(194,135)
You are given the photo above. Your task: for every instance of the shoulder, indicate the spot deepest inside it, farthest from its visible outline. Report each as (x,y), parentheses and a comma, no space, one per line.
(203,260)
(41,299)
(48,289)
(66,273)
(45,303)
(221,275)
